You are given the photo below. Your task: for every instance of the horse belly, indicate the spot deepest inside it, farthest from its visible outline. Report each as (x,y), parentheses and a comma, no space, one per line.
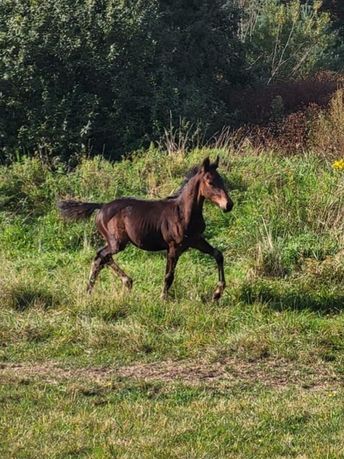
(145,238)
(143,227)
(152,242)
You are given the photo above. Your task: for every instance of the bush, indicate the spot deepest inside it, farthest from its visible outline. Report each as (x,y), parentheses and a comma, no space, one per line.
(295,117)
(66,69)
(286,40)
(257,105)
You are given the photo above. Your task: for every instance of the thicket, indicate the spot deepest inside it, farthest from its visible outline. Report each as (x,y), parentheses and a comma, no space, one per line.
(108,76)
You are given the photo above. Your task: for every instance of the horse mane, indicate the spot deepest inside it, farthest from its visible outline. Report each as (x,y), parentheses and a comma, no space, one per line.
(191,173)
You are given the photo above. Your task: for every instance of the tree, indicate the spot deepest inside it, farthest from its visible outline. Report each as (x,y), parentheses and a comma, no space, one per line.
(74,75)
(199,56)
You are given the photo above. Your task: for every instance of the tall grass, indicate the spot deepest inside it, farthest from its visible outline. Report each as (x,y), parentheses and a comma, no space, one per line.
(327,130)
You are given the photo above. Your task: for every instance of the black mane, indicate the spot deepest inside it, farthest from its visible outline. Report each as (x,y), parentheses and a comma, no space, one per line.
(191,173)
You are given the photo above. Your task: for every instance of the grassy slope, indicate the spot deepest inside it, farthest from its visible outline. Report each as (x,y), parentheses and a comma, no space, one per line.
(283,248)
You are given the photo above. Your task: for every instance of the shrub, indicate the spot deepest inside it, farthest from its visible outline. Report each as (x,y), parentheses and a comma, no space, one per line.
(294,116)
(256,105)
(286,40)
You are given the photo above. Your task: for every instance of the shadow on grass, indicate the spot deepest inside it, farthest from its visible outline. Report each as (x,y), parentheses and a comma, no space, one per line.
(286,296)
(23,298)
(114,315)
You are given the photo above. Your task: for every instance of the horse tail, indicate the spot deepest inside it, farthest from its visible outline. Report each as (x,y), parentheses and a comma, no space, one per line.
(76,210)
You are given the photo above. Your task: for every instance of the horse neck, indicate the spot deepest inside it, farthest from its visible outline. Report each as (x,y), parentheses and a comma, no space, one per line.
(190,201)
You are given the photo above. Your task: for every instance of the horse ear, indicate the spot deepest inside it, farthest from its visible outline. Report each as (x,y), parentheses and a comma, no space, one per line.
(206,164)
(216,163)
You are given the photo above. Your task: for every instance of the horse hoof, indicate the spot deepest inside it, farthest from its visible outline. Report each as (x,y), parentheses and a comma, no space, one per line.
(217,295)
(128,283)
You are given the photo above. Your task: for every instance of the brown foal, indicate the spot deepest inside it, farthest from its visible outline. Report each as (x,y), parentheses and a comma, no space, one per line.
(174,224)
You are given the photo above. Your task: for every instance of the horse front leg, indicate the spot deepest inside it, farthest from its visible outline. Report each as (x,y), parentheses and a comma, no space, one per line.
(172,259)
(203,246)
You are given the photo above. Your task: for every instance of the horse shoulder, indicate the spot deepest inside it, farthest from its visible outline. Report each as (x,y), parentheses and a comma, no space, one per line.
(172,224)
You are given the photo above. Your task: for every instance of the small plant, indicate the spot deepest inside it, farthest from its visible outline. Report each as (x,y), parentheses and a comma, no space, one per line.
(269,258)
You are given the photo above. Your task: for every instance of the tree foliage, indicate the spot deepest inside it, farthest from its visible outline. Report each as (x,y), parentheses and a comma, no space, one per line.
(104,75)
(107,76)
(286,40)
(75,75)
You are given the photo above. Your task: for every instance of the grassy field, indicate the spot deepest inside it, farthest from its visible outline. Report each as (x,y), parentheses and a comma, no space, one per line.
(258,375)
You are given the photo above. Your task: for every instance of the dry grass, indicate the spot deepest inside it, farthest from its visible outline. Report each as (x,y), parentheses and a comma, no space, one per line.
(327,129)
(227,372)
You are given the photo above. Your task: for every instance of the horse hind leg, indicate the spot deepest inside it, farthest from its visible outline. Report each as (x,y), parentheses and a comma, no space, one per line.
(104,258)
(98,264)
(126,280)
(116,246)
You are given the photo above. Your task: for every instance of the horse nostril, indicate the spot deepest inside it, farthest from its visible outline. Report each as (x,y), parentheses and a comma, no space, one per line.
(229,206)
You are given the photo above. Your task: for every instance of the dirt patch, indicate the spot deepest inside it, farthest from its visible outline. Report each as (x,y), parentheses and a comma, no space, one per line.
(228,372)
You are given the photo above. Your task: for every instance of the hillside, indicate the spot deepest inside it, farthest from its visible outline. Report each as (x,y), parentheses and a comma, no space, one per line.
(122,375)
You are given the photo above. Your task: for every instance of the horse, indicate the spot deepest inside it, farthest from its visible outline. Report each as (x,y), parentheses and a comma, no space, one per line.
(173,224)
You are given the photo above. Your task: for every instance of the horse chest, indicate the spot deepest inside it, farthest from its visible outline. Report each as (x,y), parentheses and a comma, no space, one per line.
(196,226)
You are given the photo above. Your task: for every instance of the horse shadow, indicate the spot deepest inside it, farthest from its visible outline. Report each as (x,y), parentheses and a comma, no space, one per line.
(25,297)
(324,302)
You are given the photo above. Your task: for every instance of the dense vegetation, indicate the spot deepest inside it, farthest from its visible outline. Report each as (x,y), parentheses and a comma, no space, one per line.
(276,336)
(108,76)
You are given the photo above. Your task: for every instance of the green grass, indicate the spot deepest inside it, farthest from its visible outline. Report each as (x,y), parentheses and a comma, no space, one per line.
(150,420)
(283,247)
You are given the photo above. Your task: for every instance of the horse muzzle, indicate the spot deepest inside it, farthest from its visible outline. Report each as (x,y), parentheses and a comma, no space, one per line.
(229,206)
(225,203)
